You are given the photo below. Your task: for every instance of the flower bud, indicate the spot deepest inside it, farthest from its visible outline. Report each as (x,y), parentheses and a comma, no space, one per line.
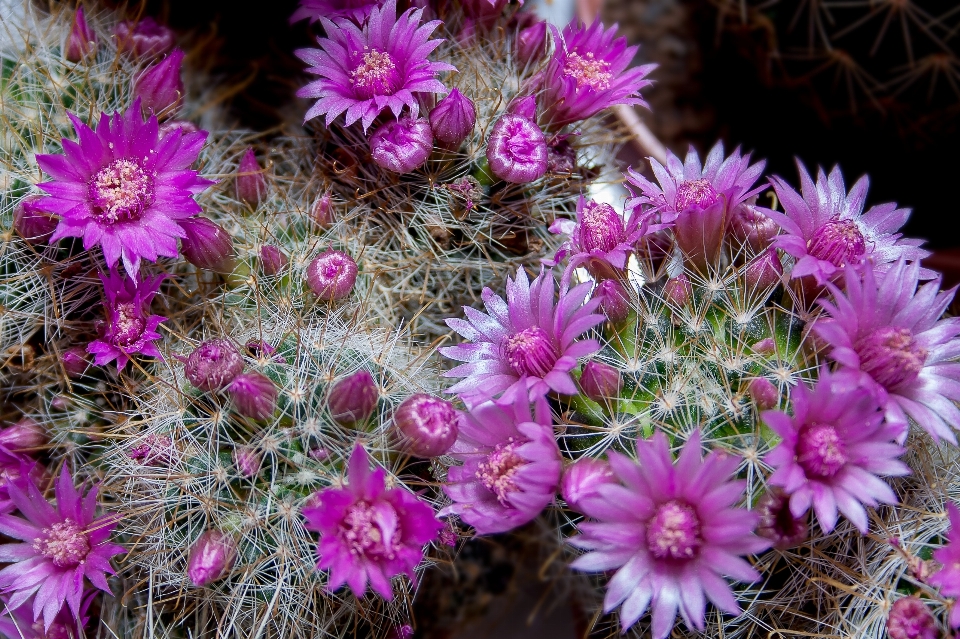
(453,119)
(427,425)
(207,245)
(524,106)
(678,291)
(81,41)
(262,350)
(246,460)
(254,395)
(146,38)
(615,302)
(517,150)
(75,361)
(251,184)
(531,43)
(750,226)
(763,393)
(160,88)
(600,382)
(184,126)
(583,479)
(23,436)
(353,398)
(764,271)
(213,365)
(154,450)
(402,145)
(911,619)
(322,211)
(766,346)
(211,558)
(33,225)
(272,259)
(777,523)
(331,275)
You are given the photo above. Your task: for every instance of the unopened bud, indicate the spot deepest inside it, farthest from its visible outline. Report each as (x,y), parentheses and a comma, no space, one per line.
(753,228)
(160,88)
(23,436)
(254,395)
(764,271)
(600,382)
(75,362)
(251,184)
(81,41)
(615,302)
(678,291)
(207,245)
(211,558)
(402,145)
(531,43)
(353,398)
(583,479)
(146,38)
(517,150)
(910,618)
(322,211)
(453,119)
(272,259)
(33,224)
(213,365)
(427,425)
(763,393)
(331,275)
(246,460)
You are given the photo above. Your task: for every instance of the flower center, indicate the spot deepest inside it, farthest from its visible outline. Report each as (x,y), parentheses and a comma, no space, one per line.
(497,470)
(530,352)
(820,451)
(674,532)
(588,71)
(839,242)
(65,543)
(128,325)
(891,356)
(375,75)
(695,194)
(601,229)
(370,535)
(120,192)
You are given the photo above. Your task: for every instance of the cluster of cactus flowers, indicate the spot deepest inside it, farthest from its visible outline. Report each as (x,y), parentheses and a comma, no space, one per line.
(707,400)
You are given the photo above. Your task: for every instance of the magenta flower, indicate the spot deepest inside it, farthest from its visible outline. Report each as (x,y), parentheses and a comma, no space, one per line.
(366,70)
(124,187)
(588,73)
(599,238)
(947,579)
(62,544)
(368,532)
(672,532)
(834,447)
(699,200)
(890,332)
(826,229)
(18,623)
(527,341)
(511,464)
(129,327)
(356,10)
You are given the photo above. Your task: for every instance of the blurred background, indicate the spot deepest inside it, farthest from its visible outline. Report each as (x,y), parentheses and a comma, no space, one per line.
(873,85)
